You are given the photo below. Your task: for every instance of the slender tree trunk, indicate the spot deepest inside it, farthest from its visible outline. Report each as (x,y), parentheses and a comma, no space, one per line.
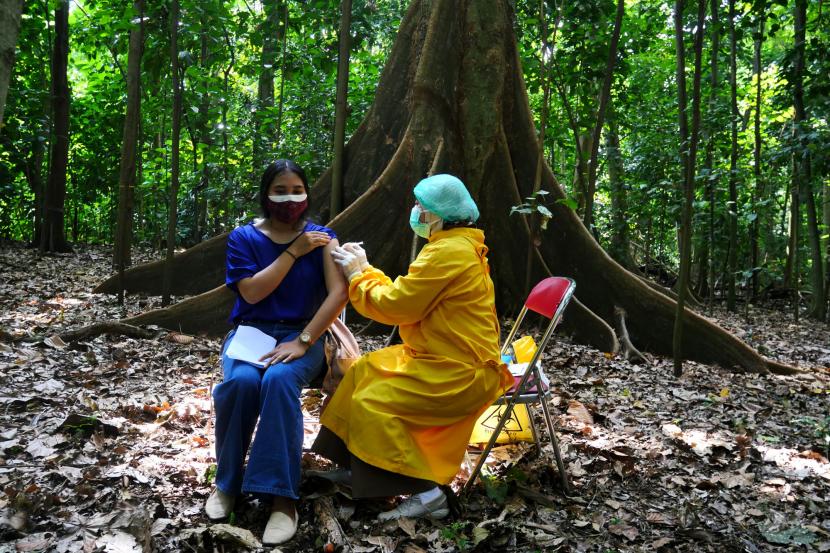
(580,182)
(340,107)
(604,97)
(818,305)
(787,224)
(801,167)
(53,234)
(203,130)
(825,188)
(732,211)
(533,220)
(226,185)
(10,14)
(706,279)
(282,73)
(619,246)
(172,214)
(263,117)
(793,275)
(682,103)
(127,172)
(758,196)
(689,172)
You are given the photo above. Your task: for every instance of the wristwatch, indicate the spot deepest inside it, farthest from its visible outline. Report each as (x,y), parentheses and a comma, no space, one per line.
(305,338)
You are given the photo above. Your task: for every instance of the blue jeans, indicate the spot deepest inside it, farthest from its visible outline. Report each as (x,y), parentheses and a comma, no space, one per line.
(272,395)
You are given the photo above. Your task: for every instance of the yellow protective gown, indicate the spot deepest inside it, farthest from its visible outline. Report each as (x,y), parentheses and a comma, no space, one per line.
(410,409)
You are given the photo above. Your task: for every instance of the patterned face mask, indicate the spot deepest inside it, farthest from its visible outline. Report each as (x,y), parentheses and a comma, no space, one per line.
(287,208)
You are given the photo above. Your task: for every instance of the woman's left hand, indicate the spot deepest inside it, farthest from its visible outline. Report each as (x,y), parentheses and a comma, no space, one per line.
(285,352)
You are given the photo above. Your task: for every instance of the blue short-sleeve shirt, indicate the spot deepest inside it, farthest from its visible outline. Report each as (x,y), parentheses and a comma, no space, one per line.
(300,293)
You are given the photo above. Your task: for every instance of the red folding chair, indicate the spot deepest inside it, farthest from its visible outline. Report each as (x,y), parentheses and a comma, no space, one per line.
(549,298)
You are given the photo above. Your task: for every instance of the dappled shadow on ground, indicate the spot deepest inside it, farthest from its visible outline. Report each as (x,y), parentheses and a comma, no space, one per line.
(106,444)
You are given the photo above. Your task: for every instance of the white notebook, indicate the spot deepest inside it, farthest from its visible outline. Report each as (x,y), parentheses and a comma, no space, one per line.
(249,344)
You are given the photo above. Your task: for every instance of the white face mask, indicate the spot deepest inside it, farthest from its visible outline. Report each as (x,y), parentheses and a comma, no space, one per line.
(287,198)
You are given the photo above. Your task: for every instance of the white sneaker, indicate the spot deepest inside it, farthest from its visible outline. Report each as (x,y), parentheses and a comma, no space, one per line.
(414,508)
(219,505)
(280,528)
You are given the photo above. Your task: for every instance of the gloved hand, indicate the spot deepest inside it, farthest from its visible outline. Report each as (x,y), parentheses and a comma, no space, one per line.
(360,253)
(347,261)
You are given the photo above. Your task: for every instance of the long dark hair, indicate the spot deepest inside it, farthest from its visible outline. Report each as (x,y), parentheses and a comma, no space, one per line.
(271,172)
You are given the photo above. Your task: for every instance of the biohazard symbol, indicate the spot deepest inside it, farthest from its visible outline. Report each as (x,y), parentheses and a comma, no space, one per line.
(511,425)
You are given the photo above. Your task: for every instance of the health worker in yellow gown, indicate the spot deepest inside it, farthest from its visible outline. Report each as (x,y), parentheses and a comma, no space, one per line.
(401,418)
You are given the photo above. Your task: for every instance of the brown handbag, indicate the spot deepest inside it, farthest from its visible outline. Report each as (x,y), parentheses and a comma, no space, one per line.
(342,350)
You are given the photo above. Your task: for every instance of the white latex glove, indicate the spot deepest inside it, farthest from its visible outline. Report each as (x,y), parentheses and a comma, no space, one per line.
(348,262)
(359,252)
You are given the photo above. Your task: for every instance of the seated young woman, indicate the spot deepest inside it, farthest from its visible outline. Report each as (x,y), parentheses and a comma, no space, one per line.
(287,286)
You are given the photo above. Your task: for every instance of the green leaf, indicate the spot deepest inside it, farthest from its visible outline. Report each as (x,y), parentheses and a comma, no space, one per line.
(796,535)
(569,202)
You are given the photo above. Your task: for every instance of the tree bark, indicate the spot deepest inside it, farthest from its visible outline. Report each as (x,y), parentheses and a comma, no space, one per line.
(801,165)
(732,205)
(263,117)
(688,168)
(10,14)
(758,196)
(53,234)
(706,275)
(453,77)
(619,246)
(172,212)
(340,107)
(825,189)
(127,173)
(203,132)
(283,58)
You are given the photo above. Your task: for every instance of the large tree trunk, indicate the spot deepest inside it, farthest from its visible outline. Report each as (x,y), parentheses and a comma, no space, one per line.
(52,233)
(454,78)
(10,13)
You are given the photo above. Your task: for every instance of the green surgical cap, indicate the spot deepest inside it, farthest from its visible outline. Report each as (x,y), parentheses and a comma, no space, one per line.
(447,197)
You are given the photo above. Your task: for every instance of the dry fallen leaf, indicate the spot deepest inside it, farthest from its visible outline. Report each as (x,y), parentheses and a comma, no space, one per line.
(177,338)
(579,412)
(55,342)
(626,530)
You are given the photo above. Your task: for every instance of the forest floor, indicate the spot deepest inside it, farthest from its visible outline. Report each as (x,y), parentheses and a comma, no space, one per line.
(106,443)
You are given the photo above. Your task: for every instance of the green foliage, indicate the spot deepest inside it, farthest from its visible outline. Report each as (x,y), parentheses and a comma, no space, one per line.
(231,51)
(454,532)
(498,488)
(536,204)
(820,427)
(210,474)
(220,57)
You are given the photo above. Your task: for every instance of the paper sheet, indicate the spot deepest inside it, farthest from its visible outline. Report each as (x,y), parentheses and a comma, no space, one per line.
(249,344)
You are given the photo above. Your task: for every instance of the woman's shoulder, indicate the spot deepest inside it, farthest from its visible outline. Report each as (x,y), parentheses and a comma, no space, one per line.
(244,232)
(309,226)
